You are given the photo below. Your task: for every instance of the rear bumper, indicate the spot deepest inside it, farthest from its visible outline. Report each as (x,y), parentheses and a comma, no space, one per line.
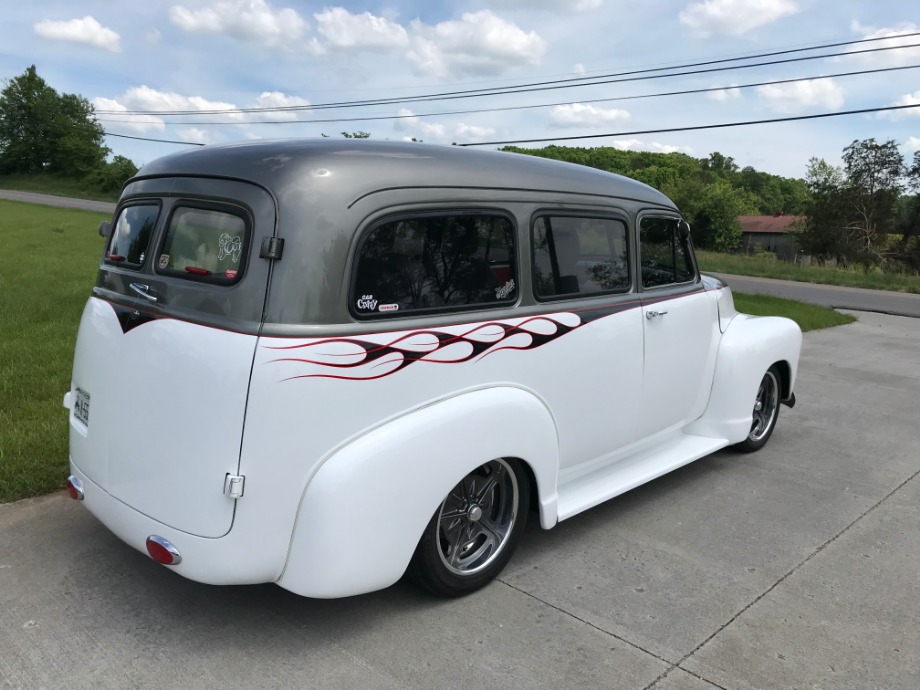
(227,560)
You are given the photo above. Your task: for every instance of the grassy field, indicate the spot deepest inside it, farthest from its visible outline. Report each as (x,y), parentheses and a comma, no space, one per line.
(53,184)
(771,267)
(48,261)
(809,316)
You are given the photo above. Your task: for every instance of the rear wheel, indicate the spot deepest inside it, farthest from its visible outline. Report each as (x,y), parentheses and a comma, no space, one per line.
(474,531)
(765,414)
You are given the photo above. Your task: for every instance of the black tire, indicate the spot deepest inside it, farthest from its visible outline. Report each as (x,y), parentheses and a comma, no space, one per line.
(473,533)
(765,414)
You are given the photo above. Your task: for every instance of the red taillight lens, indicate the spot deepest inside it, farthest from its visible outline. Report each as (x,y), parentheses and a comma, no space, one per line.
(163,551)
(75,488)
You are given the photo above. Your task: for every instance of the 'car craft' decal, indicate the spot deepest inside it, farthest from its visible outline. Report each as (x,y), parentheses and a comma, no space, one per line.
(364,360)
(366,302)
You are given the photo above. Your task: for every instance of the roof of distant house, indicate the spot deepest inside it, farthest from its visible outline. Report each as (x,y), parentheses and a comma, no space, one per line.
(776,223)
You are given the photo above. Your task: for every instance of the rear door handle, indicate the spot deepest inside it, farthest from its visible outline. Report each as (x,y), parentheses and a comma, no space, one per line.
(652,313)
(143,291)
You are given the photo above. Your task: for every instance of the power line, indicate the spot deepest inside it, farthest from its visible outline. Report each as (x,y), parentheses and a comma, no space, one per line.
(159,141)
(696,127)
(685,92)
(617,77)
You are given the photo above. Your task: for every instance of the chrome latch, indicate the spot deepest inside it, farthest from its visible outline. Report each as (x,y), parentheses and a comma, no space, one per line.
(233,486)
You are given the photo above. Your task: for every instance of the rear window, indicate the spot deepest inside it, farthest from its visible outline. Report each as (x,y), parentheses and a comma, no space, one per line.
(131,235)
(436,262)
(205,244)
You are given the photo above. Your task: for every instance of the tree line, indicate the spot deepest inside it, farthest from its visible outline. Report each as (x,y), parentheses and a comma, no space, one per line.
(46,132)
(862,213)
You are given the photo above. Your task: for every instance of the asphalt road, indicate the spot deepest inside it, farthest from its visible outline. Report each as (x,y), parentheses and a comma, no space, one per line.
(859,299)
(60,201)
(795,567)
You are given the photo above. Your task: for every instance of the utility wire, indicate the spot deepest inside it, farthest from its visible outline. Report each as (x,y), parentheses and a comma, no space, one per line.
(697,127)
(159,141)
(685,92)
(617,77)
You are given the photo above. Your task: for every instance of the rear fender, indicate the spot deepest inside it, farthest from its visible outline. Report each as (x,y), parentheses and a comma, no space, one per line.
(750,346)
(364,510)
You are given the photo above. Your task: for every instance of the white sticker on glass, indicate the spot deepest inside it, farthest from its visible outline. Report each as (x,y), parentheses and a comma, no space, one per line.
(230,246)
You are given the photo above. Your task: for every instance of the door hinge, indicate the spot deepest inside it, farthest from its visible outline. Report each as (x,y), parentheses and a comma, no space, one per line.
(233,486)
(272,248)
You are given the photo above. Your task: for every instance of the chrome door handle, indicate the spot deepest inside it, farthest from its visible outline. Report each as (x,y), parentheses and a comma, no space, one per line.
(143,291)
(653,313)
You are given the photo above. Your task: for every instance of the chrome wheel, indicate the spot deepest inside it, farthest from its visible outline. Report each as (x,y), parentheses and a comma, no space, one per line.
(477,518)
(766,407)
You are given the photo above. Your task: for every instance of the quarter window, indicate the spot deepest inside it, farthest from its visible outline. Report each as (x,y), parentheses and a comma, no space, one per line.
(574,255)
(665,255)
(435,262)
(205,245)
(131,235)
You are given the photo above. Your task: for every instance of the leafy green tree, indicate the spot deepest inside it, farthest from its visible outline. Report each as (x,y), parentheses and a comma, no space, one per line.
(112,176)
(826,235)
(44,131)
(874,175)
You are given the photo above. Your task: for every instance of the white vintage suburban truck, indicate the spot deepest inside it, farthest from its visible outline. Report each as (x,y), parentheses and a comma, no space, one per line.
(327,364)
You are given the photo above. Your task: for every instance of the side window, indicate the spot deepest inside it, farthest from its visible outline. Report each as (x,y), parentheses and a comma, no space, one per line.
(574,255)
(434,263)
(205,244)
(131,235)
(665,256)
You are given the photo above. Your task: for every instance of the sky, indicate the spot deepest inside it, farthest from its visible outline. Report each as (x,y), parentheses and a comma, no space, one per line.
(196,57)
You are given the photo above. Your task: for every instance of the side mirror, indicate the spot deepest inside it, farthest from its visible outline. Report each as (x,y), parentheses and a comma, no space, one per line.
(105,228)
(683,227)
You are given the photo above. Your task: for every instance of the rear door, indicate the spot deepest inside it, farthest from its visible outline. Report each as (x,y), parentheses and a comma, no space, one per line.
(165,349)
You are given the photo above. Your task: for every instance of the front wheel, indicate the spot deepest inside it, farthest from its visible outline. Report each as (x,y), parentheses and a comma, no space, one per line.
(474,531)
(765,414)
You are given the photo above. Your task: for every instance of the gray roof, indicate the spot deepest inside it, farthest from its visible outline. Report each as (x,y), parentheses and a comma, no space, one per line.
(369,166)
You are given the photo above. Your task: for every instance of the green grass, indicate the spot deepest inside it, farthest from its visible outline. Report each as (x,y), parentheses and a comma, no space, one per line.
(54,184)
(771,267)
(48,263)
(810,317)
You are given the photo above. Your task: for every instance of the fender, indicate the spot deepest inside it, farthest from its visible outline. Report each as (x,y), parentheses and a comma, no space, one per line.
(364,511)
(750,346)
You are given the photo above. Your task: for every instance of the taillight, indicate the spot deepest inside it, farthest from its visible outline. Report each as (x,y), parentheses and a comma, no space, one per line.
(162,551)
(75,488)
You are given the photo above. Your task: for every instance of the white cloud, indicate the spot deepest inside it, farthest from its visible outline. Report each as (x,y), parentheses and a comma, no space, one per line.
(137,123)
(638,145)
(913,144)
(480,44)
(467,133)
(247,20)
(342,29)
(276,99)
(86,30)
(722,95)
(734,17)
(585,115)
(887,58)
(907,99)
(548,5)
(797,96)
(194,135)
(409,122)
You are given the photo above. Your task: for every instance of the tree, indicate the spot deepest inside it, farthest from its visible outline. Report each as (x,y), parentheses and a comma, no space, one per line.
(44,131)
(825,235)
(874,172)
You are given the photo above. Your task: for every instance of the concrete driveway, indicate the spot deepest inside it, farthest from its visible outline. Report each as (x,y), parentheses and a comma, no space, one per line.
(796,567)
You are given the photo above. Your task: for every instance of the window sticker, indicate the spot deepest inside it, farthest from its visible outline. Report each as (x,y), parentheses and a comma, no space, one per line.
(164,261)
(367,302)
(230,273)
(230,246)
(389,307)
(505,290)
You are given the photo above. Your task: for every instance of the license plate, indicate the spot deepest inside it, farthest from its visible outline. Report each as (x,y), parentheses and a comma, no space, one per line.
(81,406)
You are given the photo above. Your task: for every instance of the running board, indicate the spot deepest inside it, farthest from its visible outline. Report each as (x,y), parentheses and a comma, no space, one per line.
(592,489)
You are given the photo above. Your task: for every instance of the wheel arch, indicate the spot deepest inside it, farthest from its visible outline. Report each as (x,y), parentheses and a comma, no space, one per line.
(364,510)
